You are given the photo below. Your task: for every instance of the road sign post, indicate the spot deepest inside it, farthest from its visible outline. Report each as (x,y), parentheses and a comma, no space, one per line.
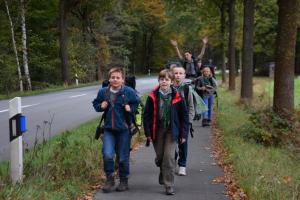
(17,126)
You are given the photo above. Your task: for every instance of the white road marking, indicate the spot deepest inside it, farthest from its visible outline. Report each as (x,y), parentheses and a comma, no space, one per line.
(80,95)
(26,106)
(30,105)
(1,111)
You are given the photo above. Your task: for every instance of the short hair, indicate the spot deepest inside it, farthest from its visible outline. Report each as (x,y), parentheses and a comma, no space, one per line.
(166,73)
(116,69)
(177,66)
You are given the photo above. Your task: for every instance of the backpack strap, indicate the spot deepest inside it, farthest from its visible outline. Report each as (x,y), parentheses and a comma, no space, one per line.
(127,116)
(186,90)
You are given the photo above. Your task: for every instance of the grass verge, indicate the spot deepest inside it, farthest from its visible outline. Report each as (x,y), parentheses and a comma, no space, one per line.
(67,166)
(263,172)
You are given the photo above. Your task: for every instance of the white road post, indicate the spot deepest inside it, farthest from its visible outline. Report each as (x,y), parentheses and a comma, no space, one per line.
(76,79)
(16,146)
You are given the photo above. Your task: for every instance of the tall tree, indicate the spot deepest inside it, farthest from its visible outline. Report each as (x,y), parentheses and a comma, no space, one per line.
(63,41)
(14,46)
(24,46)
(247,57)
(285,57)
(222,24)
(231,45)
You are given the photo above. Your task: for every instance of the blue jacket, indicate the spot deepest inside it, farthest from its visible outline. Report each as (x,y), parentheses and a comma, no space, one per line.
(115,112)
(179,115)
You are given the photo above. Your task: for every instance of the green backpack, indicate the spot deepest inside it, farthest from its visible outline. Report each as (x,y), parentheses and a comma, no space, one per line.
(199,104)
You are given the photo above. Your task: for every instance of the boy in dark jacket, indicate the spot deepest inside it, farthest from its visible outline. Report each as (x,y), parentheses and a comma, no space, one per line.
(119,103)
(165,121)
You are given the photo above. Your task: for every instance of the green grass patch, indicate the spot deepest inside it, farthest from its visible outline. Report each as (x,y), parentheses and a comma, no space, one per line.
(62,168)
(266,173)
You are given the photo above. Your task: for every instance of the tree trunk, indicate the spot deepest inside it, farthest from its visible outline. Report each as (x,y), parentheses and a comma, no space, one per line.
(24,41)
(231,45)
(285,57)
(223,68)
(63,41)
(247,56)
(14,47)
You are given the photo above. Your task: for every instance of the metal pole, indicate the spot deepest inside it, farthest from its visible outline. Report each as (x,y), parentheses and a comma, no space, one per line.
(16,149)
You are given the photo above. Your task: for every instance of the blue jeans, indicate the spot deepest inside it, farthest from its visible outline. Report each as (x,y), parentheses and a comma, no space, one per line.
(209,102)
(115,142)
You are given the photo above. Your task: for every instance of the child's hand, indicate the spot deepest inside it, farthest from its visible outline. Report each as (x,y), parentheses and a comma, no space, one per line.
(182,140)
(174,43)
(104,105)
(127,108)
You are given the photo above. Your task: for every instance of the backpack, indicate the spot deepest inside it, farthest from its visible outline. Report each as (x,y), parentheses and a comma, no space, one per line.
(199,104)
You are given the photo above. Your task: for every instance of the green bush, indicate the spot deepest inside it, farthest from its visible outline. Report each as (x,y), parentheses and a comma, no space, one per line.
(268,128)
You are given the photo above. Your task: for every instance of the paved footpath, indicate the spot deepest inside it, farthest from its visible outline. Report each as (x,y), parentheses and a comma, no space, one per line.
(197,185)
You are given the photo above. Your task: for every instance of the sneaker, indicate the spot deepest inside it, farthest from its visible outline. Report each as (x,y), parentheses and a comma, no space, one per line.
(182,171)
(170,190)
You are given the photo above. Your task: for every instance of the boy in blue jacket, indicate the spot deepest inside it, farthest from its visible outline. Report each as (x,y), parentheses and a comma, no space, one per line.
(165,121)
(118,102)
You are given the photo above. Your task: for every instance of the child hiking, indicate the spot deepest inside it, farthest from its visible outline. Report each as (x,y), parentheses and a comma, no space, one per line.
(117,101)
(206,86)
(165,121)
(186,91)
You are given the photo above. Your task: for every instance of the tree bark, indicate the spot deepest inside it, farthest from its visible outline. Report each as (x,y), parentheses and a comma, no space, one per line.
(63,41)
(231,45)
(285,57)
(14,47)
(247,52)
(222,20)
(24,47)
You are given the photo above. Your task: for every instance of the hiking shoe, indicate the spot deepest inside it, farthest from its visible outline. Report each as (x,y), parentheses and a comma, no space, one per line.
(170,190)
(123,186)
(160,179)
(182,171)
(109,184)
(205,122)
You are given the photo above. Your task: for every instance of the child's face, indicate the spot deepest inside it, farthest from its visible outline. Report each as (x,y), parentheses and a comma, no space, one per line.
(164,83)
(116,80)
(206,72)
(179,73)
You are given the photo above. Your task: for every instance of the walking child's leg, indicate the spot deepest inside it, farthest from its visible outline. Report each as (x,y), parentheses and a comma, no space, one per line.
(168,163)
(123,151)
(108,152)
(205,114)
(210,106)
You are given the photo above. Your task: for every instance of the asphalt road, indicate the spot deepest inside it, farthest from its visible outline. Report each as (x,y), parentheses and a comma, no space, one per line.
(197,185)
(52,113)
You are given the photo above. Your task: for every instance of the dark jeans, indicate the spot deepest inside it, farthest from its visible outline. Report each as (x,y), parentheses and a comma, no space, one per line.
(118,143)
(182,153)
